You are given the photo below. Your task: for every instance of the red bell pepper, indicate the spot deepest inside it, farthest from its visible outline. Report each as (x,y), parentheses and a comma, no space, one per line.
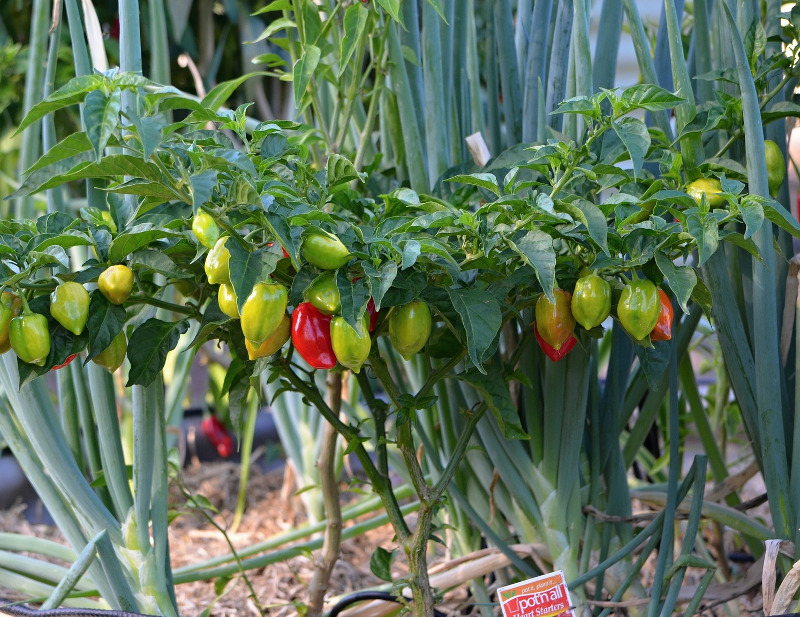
(311,336)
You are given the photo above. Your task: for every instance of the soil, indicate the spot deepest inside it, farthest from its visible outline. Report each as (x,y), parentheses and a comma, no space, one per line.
(281,588)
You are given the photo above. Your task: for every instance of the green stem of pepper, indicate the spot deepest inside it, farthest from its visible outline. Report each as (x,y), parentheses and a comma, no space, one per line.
(177,308)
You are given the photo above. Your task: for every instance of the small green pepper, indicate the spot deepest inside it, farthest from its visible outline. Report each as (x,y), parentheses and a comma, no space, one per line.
(639,307)
(591,301)
(69,306)
(30,338)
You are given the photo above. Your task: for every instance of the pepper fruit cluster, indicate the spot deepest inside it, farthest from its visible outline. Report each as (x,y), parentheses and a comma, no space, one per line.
(28,332)
(643,310)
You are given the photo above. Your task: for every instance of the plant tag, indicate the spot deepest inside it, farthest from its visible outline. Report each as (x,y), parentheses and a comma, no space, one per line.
(543,596)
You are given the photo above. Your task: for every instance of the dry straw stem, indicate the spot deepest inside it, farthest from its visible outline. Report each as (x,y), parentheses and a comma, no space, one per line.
(788,589)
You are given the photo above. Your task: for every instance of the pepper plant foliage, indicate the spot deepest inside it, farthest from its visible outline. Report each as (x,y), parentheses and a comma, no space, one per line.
(535,219)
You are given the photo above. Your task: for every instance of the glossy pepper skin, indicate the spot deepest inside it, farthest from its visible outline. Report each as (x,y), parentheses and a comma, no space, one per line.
(591,301)
(217,264)
(205,229)
(324,294)
(226,298)
(776,166)
(216,433)
(551,352)
(112,357)
(311,336)
(350,347)
(325,251)
(410,327)
(272,343)
(374,314)
(263,310)
(65,363)
(663,328)
(710,187)
(554,320)
(69,306)
(10,307)
(639,307)
(30,338)
(116,283)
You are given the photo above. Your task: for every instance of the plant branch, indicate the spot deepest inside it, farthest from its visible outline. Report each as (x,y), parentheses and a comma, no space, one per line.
(329,483)
(380,483)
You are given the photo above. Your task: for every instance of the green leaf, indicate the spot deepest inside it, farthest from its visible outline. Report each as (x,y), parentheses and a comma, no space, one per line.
(202,186)
(274,146)
(109,166)
(355,21)
(481,317)
(705,233)
(157,261)
(654,361)
(304,70)
(222,92)
(634,135)
(74,91)
(249,268)
(592,217)
(582,105)
(486,181)
(393,8)
(778,111)
(752,215)
(105,322)
(64,240)
(354,296)
(411,250)
(380,563)
(380,279)
(649,97)
(148,347)
(536,249)
(341,171)
(151,133)
(213,318)
(101,116)
(146,188)
(68,149)
(780,216)
(282,23)
(681,279)
(275,5)
(135,238)
(494,392)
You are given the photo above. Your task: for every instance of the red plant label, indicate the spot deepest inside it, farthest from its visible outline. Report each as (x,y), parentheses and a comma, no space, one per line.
(543,596)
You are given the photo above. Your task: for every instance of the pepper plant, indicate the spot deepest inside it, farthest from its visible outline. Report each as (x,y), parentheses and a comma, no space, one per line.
(525,232)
